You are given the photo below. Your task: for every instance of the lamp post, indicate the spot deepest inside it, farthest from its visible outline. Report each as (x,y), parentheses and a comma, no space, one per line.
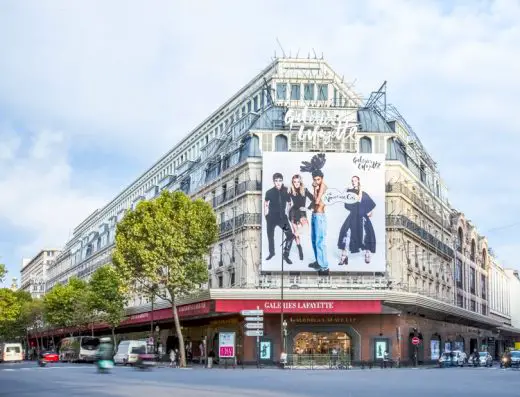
(284,332)
(282,321)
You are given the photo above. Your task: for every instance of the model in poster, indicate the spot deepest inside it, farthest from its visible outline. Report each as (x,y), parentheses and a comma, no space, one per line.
(362,235)
(276,204)
(318,220)
(299,194)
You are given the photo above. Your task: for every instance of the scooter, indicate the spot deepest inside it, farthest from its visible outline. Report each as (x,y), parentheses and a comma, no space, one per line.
(42,362)
(104,366)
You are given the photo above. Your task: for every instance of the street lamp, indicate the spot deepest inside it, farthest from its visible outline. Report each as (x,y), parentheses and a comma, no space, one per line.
(284,332)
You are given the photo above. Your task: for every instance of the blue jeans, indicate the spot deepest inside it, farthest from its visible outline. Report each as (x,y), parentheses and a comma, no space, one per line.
(318,234)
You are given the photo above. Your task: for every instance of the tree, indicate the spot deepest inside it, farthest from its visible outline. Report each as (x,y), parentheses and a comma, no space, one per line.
(161,247)
(108,296)
(67,305)
(10,309)
(3,272)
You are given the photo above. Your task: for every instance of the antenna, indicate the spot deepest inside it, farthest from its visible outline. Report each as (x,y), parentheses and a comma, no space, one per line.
(315,56)
(297,53)
(283,52)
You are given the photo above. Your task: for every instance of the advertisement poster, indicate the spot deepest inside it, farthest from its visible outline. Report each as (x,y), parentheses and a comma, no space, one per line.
(327,208)
(381,348)
(435,349)
(226,344)
(447,347)
(265,350)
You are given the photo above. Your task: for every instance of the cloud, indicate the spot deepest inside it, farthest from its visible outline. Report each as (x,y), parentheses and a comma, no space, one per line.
(121,79)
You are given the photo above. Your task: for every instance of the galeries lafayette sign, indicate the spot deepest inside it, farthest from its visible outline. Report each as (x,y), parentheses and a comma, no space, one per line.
(299,306)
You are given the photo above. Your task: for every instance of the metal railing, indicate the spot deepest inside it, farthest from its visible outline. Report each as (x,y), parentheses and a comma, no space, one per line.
(240,188)
(399,221)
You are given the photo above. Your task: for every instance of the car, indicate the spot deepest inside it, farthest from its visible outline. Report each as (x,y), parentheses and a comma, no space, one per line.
(510,359)
(50,357)
(452,359)
(485,359)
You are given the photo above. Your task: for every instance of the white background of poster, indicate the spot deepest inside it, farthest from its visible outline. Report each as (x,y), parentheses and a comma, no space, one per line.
(338,172)
(381,347)
(226,344)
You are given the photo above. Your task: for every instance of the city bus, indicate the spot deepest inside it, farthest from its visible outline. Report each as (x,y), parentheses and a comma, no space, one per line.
(79,349)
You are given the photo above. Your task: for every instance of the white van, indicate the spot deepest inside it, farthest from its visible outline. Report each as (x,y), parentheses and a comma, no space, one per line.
(11,352)
(124,353)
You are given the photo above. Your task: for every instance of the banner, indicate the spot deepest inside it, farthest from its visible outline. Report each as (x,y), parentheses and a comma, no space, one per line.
(323,212)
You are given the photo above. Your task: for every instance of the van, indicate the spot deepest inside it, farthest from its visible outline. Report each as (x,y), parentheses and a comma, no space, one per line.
(124,353)
(11,352)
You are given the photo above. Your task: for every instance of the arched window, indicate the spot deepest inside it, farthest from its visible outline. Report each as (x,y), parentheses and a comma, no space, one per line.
(365,145)
(473,250)
(254,147)
(281,144)
(391,153)
(459,240)
(484,258)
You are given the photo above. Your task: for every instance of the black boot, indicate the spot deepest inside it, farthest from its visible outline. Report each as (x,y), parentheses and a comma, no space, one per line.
(287,250)
(300,252)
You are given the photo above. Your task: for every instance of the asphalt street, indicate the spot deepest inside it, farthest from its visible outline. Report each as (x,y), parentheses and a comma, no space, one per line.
(58,380)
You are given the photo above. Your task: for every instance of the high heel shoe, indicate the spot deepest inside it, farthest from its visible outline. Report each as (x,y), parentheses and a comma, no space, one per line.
(367,257)
(343,260)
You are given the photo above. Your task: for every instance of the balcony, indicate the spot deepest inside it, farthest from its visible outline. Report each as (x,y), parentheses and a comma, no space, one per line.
(401,221)
(246,186)
(402,189)
(240,221)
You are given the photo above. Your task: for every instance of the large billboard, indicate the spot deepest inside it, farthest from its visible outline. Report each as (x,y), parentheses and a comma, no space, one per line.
(323,212)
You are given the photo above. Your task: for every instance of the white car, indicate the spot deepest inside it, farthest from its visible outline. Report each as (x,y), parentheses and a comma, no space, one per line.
(125,350)
(452,359)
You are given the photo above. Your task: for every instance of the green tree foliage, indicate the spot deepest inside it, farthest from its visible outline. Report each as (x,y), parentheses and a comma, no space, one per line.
(3,272)
(68,305)
(161,246)
(10,309)
(108,297)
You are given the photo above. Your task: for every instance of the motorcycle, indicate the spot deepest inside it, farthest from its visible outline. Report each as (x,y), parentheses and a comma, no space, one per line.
(145,362)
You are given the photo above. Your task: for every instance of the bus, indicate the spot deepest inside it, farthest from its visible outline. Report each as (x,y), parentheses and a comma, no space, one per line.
(79,349)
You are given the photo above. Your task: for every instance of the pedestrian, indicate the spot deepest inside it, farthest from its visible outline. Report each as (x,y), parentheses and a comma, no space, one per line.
(172,359)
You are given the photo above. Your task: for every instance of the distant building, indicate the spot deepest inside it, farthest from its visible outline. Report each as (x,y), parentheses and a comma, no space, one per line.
(34,272)
(514,296)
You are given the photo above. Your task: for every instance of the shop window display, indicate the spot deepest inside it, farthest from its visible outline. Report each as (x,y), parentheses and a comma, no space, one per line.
(322,343)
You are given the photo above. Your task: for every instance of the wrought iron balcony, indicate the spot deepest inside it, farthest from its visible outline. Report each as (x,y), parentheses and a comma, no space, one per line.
(242,187)
(400,188)
(239,221)
(401,221)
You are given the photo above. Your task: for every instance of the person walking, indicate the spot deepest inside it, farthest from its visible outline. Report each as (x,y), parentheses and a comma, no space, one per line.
(172,359)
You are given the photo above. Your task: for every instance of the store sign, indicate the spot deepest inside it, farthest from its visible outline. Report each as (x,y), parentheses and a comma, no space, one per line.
(300,306)
(192,309)
(322,124)
(226,344)
(322,320)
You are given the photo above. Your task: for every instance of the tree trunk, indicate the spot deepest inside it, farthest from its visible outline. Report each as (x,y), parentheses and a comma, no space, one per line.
(42,342)
(92,328)
(114,337)
(182,352)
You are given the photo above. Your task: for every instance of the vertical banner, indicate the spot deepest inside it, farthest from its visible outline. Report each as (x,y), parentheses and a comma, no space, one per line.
(226,344)
(435,349)
(323,212)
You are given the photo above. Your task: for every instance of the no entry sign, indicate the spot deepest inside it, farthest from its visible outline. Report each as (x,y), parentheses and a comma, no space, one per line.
(415,341)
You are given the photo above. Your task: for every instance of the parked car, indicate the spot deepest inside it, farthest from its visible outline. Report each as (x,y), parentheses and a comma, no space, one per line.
(452,359)
(510,359)
(485,359)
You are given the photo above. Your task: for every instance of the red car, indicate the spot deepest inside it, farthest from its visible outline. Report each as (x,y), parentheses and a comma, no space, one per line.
(50,357)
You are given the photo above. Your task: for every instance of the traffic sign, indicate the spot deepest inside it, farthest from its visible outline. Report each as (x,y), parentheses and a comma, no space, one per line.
(257,332)
(254,325)
(252,312)
(415,341)
(254,319)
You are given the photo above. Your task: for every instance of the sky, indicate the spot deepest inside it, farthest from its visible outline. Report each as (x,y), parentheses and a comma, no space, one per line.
(92,93)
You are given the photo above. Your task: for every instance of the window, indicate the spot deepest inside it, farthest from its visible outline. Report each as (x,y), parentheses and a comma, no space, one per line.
(232,278)
(484,309)
(458,274)
(221,248)
(484,258)
(473,251)
(281,91)
(295,92)
(249,107)
(232,251)
(460,300)
(323,92)
(472,280)
(473,305)
(308,92)
(483,287)
(365,145)
(459,240)
(280,143)
(220,282)
(210,283)
(255,103)
(254,147)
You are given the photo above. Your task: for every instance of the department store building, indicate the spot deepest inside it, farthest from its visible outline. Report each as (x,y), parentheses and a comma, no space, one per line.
(410,287)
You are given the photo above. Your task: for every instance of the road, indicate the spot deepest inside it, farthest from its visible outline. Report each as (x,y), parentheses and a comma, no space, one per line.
(58,380)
